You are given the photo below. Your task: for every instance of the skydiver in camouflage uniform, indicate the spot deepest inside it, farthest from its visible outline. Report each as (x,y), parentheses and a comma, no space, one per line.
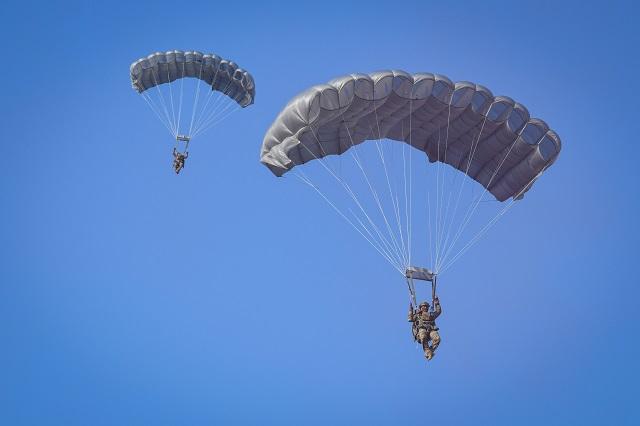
(178,160)
(424,326)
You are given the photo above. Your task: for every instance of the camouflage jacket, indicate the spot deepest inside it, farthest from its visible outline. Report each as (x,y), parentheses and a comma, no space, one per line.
(426,320)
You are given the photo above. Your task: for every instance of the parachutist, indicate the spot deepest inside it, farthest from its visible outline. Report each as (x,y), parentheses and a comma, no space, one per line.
(162,71)
(178,160)
(424,327)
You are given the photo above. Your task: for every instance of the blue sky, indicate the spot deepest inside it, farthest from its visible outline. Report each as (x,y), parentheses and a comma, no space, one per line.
(227,296)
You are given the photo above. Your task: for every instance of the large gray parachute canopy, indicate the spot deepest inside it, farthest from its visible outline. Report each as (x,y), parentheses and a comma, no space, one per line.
(222,75)
(491,138)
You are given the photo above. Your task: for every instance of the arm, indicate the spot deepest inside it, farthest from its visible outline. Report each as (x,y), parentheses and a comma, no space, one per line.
(410,316)
(437,309)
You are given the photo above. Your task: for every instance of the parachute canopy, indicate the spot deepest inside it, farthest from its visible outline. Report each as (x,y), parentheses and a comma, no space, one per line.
(490,138)
(191,92)
(222,75)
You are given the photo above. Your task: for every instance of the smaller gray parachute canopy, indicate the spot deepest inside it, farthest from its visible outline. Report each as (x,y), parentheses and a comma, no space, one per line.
(223,75)
(491,138)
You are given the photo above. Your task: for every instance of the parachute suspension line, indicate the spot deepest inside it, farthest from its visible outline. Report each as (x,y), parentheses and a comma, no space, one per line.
(181,92)
(408,204)
(209,96)
(197,97)
(429,231)
(396,191)
(479,198)
(445,213)
(164,103)
(437,210)
(387,256)
(376,198)
(445,230)
(394,202)
(351,194)
(374,244)
(221,118)
(151,104)
(173,111)
(356,158)
(407,200)
(400,267)
(396,205)
(477,237)
(492,222)
(219,110)
(403,227)
(474,146)
(440,190)
(400,247)
(204,108)
(217,115)
(406,253)
(410,209)
(477,201)
(213,94)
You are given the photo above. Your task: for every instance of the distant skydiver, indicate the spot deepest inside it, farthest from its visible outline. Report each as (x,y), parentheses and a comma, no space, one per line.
(156,78)
(424,326)
(178,160)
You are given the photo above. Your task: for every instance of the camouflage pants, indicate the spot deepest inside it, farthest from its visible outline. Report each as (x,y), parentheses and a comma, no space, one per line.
(424,337)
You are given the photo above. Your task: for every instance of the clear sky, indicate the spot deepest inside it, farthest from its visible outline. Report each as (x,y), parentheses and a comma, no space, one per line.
(227,296)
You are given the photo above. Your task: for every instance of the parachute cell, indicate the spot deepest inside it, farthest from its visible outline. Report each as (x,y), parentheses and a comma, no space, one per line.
(222,75)
(508,156)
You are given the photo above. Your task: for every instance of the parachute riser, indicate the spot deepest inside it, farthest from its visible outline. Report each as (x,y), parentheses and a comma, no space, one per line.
(423,274)
(412,293)
(434,282)
(183,138)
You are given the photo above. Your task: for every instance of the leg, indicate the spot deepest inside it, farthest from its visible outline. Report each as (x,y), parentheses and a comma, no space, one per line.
(423,338)
(435,340)
(428,352)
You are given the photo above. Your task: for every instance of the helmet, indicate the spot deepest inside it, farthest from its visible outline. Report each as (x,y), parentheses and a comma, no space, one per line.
(425,304)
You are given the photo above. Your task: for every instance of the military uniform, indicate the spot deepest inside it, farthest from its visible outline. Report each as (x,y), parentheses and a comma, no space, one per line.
(178,160)
(424,327)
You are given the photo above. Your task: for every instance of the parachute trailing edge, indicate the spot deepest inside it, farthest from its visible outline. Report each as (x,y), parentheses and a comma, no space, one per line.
(490,138)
